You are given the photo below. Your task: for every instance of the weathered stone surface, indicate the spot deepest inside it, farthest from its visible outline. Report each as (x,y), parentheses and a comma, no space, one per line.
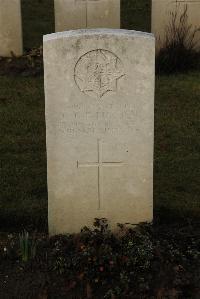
(161,16)
(10,28)
(99,90)
(79,14)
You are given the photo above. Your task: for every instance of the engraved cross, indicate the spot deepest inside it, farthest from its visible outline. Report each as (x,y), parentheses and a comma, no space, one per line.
(100,165)
(86,9)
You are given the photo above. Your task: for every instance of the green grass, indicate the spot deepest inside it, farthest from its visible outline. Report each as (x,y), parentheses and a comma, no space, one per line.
(38,20)
(23,192)
(177,145)
(136,15)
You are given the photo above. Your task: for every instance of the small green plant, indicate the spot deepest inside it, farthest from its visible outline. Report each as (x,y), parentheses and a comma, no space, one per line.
(179,52)
(27,246)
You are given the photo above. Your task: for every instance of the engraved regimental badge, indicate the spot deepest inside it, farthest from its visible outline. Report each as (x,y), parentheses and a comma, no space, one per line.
(97,72)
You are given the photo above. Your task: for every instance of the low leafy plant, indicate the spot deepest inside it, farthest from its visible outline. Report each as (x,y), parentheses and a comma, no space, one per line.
(96,258)
(144,261)
(180,51)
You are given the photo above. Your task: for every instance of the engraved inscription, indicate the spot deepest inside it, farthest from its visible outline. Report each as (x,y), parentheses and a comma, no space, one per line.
(97,72)
(100,165)
(97,120)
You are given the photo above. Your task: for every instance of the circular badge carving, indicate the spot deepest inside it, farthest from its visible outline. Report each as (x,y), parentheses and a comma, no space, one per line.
(97,72)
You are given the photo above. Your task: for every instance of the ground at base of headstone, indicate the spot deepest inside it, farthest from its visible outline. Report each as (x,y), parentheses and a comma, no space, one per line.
(30,64)
(149,261)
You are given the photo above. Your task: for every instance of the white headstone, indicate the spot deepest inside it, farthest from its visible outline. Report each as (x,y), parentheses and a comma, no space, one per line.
(99,91)
(10,28)
(161,17)
(79,14)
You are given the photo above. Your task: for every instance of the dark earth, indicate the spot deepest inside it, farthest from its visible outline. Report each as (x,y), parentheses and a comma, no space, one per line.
(149,261)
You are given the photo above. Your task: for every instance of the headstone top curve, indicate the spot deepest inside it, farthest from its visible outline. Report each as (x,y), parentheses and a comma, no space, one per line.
(98,31)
